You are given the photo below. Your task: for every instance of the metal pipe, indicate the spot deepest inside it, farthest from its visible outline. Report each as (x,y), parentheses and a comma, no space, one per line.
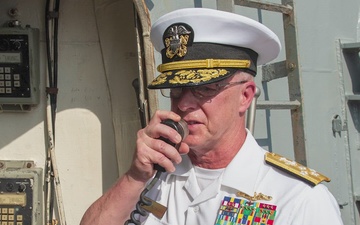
(147,70)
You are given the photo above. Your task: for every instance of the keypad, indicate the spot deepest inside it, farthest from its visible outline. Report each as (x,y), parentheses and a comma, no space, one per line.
(8,80)
(10,216)
(19,69)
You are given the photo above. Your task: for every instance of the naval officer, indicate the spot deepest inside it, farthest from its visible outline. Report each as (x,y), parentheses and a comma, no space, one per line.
(218,174)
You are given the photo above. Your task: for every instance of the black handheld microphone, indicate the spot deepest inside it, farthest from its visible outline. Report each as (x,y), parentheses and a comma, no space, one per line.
(181,128)
(145,204)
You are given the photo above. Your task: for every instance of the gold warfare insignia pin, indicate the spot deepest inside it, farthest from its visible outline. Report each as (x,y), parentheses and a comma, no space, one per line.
(177,37)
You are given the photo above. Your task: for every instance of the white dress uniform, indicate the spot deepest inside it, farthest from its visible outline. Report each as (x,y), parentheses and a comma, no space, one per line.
(248,178)
(202,46)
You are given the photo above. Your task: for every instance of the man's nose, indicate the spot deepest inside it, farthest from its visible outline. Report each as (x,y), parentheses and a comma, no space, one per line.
(187,101)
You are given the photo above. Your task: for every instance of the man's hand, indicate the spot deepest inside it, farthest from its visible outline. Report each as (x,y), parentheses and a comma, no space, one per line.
(151,150)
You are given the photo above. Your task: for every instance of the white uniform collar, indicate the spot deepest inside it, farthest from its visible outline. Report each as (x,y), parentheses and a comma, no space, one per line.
(242,172)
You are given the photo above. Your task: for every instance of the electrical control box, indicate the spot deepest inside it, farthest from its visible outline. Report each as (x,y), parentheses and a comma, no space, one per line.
(20,193)
(19,68)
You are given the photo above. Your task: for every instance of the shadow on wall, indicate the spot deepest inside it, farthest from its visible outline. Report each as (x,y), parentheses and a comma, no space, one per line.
(97,64)
(116,29)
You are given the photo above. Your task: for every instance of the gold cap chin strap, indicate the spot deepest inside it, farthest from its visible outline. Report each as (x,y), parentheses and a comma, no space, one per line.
(204,63)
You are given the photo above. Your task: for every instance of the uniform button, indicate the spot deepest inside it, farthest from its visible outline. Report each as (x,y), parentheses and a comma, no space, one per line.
(196,209)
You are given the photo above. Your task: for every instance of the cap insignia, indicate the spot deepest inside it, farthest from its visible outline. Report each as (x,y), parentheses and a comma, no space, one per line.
(176,39)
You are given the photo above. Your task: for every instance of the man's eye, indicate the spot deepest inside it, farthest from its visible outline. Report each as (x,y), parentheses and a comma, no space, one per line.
(208,88)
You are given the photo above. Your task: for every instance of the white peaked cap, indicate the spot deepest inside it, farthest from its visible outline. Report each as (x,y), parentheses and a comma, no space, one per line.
(215,26)
(185,36)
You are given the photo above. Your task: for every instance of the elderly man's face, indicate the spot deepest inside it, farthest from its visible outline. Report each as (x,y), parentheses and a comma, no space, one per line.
(216,120)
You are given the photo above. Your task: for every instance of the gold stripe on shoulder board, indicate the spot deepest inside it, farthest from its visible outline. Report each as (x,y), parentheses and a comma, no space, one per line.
(306,174)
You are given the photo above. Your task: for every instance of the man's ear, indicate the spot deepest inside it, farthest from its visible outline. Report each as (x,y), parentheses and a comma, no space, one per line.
(247,95)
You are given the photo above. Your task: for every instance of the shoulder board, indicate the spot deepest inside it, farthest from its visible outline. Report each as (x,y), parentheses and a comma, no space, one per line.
(310,176)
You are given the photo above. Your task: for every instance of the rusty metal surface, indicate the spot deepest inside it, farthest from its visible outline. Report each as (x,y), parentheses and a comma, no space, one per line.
(149,100)
(295,85)
(274,71)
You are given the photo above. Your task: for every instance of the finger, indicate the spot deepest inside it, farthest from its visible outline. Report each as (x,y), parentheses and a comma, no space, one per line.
(166,155)
(155,151)
(168,133)
(161,115)
(161,131)
(183,148)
